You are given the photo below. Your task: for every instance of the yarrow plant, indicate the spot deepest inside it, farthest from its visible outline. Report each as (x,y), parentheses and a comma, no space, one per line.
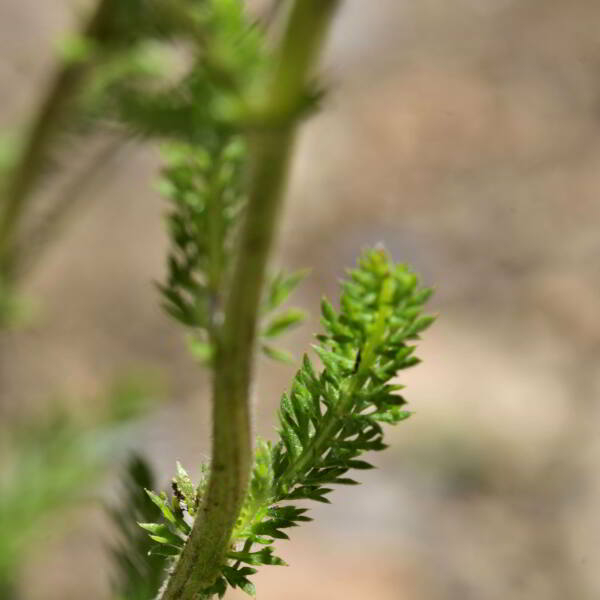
(327,420)
(229,124)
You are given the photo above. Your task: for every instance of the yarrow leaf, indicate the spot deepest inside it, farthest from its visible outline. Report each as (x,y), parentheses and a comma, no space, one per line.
(328,419)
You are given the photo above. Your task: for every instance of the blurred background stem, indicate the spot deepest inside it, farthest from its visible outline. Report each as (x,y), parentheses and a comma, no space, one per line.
(52,113)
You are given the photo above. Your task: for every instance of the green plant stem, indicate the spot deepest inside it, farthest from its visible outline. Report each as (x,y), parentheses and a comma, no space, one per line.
(44,127)
(215,240)
(270,150)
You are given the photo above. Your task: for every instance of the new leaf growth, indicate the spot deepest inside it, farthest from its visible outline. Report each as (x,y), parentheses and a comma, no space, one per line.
(328,419)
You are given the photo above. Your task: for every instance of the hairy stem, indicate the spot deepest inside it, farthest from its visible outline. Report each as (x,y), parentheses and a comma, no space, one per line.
(270,150)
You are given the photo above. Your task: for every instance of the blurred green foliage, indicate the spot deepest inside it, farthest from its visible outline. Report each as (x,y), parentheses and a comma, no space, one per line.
(49,465)
(138,574)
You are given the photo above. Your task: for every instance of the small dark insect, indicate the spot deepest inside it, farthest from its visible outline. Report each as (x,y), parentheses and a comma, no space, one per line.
(177,492)
(181,503)
(357,363)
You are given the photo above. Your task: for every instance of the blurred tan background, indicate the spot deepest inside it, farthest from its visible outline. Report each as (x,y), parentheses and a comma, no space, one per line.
(462,135)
